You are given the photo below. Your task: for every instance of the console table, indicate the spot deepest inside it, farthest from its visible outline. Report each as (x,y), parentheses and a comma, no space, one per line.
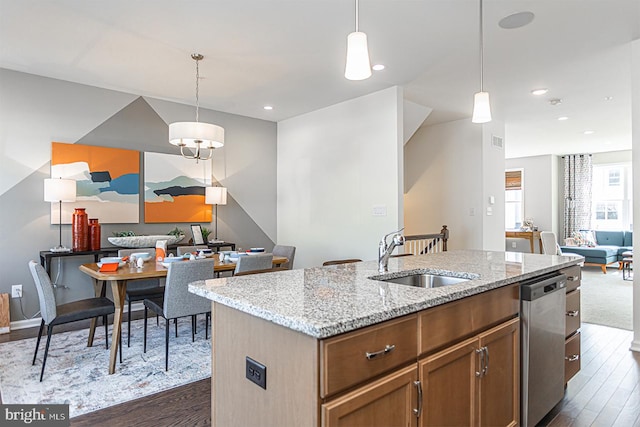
(45,256)
(531,236)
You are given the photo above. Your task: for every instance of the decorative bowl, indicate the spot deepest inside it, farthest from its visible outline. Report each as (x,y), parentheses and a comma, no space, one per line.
(143,241)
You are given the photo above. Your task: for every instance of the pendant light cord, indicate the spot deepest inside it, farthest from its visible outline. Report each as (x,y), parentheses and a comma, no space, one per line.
(481,51)
(357,16)
(197,57)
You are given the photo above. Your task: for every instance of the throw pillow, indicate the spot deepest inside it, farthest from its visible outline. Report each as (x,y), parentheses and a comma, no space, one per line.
(570,241)
(578,238)
(589,238)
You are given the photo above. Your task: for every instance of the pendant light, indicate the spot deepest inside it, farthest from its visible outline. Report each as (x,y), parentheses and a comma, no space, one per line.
(196,136)
(358,66)
(481,104)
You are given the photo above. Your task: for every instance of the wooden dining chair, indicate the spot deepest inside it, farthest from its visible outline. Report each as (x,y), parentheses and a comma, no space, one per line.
(139,290)
(253,262)
(54,314)
(178,301)
(341,261)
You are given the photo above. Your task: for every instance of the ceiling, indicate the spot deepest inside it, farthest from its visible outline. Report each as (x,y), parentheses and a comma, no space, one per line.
(290,54)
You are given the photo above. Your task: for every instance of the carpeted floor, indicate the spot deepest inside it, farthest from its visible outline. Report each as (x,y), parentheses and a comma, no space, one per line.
(78,375)
(606,299)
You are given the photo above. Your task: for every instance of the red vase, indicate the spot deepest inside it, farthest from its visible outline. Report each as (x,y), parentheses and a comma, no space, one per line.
(94,234)
(80,230)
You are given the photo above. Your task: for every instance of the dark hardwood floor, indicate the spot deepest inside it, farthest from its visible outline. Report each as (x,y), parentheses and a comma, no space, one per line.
(606,391)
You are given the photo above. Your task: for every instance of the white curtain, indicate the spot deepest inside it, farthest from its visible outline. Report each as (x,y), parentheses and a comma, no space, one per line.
(577,193)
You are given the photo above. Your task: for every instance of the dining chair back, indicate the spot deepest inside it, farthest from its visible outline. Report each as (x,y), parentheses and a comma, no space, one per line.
(178,301)
(53,314)
(288,252)
(190,249)
(549,243)
(341,261)
(253,262)
(139,290)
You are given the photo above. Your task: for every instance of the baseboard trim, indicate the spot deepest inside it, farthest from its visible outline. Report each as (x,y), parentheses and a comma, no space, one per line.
(35,322)
(635,345)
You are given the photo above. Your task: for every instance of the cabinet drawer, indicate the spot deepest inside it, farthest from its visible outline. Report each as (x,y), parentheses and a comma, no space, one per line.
(349,359)
(574,276)
(573,312)
(571,357)
(448,323)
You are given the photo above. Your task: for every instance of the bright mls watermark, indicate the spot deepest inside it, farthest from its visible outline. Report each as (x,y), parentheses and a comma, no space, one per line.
(34,415)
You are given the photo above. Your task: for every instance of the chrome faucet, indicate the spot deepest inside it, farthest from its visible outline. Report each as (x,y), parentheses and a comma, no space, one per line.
(385,250)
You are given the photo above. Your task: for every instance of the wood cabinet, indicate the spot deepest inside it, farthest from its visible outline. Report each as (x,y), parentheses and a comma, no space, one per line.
(390,401)
(466,357)
(572,322)
(475,382)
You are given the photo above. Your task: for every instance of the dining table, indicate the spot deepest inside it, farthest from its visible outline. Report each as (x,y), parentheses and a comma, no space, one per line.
(118,280)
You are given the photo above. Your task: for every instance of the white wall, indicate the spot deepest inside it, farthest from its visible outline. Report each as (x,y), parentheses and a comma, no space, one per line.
(451,170)
(334,166)
(540,195)
(635,132)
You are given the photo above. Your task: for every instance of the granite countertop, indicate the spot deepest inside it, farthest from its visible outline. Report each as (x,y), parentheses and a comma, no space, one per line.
(326,301)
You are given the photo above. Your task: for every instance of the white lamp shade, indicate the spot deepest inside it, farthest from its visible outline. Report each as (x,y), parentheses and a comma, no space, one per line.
(215,195)
(59,190)
(358,66)
(192,134)
(481,108)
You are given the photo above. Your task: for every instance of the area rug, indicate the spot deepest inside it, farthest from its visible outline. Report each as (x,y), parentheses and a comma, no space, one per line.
(78,375)
(606,299)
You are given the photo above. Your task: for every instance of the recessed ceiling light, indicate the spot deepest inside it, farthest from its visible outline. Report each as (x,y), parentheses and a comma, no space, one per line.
(589,132)
(268,107)
(378,67)
(555,101)
(540,91)
(608,98)
(563,118)
(516,20)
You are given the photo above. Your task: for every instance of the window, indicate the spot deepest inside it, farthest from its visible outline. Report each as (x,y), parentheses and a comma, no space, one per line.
(514,204)
(611,198)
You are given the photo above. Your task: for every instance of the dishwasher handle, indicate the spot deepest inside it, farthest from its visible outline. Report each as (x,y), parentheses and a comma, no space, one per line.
(538,288)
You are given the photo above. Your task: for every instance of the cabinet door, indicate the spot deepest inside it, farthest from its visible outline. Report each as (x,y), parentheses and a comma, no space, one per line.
(450,386)
(500,381)
(389,401)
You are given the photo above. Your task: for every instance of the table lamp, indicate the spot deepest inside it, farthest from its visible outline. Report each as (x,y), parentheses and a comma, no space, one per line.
(215,196)
(59,190)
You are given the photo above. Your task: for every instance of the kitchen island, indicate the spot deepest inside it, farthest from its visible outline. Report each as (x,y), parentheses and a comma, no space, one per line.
(336,345)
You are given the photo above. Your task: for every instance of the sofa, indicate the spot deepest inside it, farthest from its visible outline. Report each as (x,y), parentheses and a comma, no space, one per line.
(609,247)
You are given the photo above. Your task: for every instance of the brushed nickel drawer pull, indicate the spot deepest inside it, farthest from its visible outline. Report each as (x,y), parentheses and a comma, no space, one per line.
(388,349)
(573,313)
(417,412)
(573,278)
(572,358)
(479,372)
(486,365)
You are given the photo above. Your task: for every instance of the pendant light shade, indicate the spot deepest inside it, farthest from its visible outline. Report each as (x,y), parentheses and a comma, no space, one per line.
(196,136)
(358,66)
(481,104)
(481,108)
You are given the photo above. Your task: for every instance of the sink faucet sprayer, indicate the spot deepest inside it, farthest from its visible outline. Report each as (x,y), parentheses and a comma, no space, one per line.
(385,250)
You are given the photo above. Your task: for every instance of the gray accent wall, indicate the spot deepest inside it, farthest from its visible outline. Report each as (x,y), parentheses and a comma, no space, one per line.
(36,111)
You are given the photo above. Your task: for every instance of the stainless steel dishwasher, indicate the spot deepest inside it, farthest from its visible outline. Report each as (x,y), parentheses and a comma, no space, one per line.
(543,302)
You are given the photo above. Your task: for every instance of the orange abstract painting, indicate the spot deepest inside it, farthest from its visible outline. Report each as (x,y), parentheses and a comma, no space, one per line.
(174,189)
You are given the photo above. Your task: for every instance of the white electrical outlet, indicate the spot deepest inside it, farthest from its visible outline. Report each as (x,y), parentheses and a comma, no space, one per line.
(514,245)
(16,291)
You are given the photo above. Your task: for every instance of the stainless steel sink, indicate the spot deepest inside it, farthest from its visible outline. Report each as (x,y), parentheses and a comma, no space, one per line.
(425,280)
